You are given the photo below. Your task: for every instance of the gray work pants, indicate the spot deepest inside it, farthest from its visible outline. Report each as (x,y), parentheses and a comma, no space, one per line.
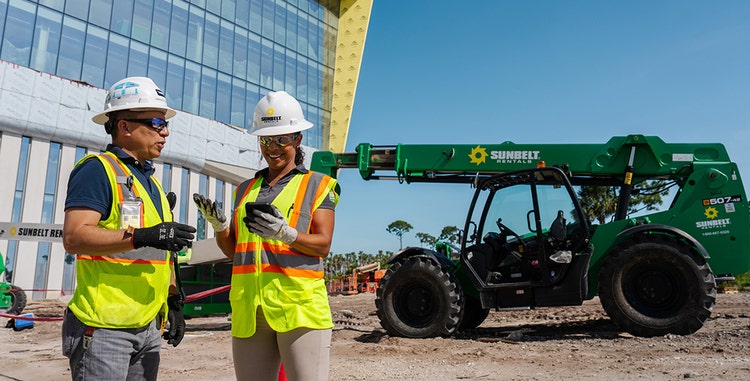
(111,354)
(304,352)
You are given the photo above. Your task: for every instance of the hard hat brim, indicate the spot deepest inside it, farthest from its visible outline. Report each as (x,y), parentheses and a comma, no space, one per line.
(281,130)
(103,117)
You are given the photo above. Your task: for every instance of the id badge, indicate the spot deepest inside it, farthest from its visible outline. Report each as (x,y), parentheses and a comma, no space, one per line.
(130,213)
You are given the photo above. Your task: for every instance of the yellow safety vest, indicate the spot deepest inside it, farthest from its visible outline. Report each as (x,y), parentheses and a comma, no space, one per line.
(125,290)
(288,285)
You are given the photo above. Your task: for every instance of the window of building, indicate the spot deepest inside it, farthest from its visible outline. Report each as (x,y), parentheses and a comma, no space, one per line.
(211,42)
(58,5)
(157,67)
(78,9)
(15,214)
(71,49)
(201,223)
(122,16)
(208,94)
(223,105)
(238,104)
(117,60)
(16,46)
(160,24)
(280,26)
(255,21)
(46,40)
(184,195)
(142,15)
(242,14)
(195,34)
(100,13)
(178,28)
(192,87)
(44,249)
(239,56)
(95,56)
(266,27)
(253,62)
(226,47)
(166,178)
(175,79)
(138,59)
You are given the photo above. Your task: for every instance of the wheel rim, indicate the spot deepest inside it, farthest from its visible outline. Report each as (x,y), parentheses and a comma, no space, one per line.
(416,304)
(654,289)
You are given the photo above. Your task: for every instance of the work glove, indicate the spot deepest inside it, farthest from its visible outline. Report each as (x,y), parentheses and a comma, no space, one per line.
(176,321)
(211,212)
(270,225)
(170,236)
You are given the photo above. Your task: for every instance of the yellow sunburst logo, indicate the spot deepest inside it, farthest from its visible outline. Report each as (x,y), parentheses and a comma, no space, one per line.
(270,111)
(478,155)
(711,213)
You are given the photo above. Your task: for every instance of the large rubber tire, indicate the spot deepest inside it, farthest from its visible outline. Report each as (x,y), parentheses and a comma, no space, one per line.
(652,285)
(474,314)
(417,298)
(17,300)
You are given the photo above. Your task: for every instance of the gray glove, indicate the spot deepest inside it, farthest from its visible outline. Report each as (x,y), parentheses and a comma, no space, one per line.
(271,226)
(211,212)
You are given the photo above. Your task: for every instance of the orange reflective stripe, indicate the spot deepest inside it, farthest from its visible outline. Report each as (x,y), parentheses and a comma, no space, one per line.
(120,260)
(291,272)
(243,269)
(322,188)
(244,247)
(299,199)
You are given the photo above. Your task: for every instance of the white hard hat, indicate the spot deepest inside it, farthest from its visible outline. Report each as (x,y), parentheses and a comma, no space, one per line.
(278,113)
(134,93)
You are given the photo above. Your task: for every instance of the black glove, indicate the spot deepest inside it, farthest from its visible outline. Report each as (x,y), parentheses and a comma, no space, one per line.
(176,321)
(171,236)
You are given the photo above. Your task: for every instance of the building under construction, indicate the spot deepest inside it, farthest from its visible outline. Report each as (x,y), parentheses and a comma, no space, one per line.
(213,59)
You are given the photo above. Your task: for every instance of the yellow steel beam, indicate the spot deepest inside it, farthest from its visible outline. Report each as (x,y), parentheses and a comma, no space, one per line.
(350,44)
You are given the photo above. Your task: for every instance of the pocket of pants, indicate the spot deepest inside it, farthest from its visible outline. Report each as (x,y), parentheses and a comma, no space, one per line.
(72,333)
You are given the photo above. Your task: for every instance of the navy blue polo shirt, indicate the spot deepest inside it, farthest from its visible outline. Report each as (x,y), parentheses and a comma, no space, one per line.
(89,185)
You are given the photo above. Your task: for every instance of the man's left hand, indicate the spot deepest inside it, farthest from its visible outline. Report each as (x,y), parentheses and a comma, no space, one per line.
(176,321)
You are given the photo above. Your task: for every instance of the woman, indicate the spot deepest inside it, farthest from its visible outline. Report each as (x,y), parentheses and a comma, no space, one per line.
(280,310)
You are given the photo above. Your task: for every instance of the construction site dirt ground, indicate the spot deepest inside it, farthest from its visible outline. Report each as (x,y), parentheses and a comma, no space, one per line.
(571,343)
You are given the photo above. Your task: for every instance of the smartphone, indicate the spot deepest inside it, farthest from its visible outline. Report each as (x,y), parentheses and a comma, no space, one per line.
(262,206)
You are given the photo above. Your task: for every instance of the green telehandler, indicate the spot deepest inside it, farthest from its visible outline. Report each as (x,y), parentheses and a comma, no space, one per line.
(526,242)
(12,298)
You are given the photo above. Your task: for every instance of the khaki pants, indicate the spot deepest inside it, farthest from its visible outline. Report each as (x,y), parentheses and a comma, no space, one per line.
(305,353)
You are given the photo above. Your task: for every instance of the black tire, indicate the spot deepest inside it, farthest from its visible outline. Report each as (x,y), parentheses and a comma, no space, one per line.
(17,300)
(417,298)
(474,314)
(653,285)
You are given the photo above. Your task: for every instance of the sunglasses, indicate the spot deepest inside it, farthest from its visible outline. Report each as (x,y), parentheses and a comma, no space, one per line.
(281,141)
(157,124)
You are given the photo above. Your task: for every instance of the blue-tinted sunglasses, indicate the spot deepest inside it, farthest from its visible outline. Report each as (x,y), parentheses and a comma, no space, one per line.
(157,124)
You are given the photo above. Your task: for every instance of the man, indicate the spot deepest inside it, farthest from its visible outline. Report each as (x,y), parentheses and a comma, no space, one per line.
(118,222)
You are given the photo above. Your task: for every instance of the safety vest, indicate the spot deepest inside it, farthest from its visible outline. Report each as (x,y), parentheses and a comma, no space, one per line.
(125,290)
(288,285)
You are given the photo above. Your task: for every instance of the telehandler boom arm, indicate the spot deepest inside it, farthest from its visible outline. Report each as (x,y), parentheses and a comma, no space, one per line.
(588,164)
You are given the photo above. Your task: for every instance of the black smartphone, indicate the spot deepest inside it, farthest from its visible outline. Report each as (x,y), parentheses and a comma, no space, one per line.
(264,207)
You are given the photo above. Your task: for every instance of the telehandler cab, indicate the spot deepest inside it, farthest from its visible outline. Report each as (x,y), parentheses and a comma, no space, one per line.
(526,242)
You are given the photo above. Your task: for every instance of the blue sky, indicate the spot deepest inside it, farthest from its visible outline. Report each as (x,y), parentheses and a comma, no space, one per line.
(536,72)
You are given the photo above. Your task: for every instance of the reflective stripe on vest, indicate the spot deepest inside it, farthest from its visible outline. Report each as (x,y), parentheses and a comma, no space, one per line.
(287,284)
(124,290)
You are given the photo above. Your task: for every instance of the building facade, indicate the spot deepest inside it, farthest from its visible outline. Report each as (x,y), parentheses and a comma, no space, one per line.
(213,58)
